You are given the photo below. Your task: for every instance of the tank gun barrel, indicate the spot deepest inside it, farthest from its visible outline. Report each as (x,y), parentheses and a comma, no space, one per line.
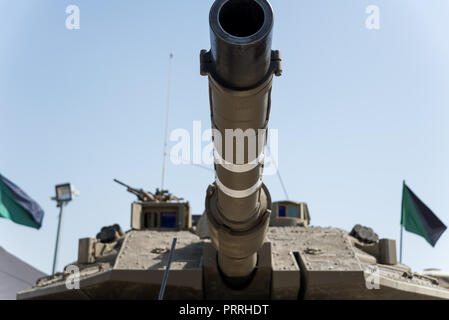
(240,67)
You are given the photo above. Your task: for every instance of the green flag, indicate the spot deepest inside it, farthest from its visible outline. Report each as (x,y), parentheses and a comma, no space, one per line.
(17,206)
(417,218)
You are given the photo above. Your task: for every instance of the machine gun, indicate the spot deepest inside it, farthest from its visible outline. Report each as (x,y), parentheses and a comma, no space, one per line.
(146,196)
(141,194)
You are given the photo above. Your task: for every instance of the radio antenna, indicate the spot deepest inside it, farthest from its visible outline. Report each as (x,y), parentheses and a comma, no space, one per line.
(164,157)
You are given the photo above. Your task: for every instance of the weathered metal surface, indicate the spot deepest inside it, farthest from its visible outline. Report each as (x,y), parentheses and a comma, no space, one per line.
(148,250)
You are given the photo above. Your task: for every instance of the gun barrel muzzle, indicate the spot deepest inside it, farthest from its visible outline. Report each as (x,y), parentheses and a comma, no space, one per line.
(240,34)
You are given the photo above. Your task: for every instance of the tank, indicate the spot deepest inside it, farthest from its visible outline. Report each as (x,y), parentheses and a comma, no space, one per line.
(244,246)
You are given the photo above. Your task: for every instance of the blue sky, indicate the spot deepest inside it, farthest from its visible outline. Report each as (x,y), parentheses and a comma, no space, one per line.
(357,110)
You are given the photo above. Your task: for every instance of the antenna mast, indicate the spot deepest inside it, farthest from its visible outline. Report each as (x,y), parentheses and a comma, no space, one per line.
(164,157)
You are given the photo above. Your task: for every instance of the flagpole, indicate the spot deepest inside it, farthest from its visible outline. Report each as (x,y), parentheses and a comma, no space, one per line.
(402,226)
(400,249)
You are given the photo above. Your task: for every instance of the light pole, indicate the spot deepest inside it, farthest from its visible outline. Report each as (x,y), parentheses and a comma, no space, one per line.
(64,194)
